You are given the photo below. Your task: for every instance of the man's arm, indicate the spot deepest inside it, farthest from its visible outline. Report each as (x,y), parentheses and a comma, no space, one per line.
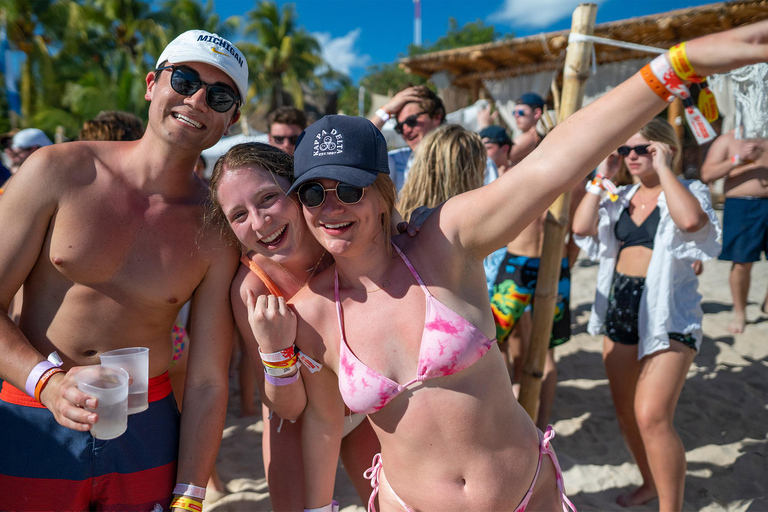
(393,107)
(27,208)
(207,384)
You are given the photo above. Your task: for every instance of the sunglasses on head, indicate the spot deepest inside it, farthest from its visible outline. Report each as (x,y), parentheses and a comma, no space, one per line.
(639,150)
(410,121)
(280,139)
(186,82)
(312,193)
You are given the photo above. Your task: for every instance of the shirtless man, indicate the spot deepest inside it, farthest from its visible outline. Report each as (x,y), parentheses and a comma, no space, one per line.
(528,111)
(744,164)
(285,126)
(108,240)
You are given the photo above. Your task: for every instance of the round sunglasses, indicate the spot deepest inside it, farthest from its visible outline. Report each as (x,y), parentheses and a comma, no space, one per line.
(639,150)
(312,193)
(186,82)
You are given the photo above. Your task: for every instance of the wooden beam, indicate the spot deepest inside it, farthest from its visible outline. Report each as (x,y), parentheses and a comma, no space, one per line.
(576,72)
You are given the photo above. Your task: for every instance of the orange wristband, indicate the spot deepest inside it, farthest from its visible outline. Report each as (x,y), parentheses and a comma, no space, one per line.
(680,63)
(656,86)
(44,378)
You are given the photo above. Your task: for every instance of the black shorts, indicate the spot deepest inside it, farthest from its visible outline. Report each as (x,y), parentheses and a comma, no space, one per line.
(621,319)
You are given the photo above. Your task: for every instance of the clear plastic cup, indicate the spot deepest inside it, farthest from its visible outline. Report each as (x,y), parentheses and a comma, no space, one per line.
(110,387)
(134,360)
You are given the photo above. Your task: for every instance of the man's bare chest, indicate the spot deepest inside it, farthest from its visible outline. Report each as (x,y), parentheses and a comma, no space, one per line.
(145,250)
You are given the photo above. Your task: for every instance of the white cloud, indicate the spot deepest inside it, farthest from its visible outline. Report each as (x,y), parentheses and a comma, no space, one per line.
(340,52)
(535,14)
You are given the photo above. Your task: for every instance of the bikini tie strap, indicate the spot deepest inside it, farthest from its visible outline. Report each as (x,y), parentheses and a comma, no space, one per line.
(372,474)
(547,448)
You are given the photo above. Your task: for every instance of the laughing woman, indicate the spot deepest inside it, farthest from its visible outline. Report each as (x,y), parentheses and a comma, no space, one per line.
(403,326)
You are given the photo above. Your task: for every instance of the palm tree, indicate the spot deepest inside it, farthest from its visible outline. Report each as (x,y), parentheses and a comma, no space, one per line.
(191,14)
(285,56)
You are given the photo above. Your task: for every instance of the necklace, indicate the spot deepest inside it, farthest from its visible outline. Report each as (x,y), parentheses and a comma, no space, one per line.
(312,270)
(642,205)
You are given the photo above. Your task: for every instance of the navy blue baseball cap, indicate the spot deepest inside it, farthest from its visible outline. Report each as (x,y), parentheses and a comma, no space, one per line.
(531,99)
(496,134)
(342,148)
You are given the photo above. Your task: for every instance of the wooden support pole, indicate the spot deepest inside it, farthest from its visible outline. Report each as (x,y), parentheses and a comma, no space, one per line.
(575,76)
(675,118)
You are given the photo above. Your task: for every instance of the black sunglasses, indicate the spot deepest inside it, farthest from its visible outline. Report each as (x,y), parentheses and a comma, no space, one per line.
(312,194)
(639,150)
(411,121)
(279,139)
(186,82)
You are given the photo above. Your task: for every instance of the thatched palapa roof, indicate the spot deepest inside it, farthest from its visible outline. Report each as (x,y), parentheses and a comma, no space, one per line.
(532,54)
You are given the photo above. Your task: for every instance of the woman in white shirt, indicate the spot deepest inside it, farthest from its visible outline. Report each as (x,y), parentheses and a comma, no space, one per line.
(647,305)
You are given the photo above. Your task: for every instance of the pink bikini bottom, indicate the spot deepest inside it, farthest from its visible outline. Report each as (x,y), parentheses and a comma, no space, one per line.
(374,472)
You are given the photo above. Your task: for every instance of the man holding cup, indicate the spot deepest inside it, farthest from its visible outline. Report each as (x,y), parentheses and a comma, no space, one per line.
(109,242)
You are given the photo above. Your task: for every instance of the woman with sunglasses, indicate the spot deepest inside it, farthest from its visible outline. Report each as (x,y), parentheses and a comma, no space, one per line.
(249,203)
(403,327)
(647,305)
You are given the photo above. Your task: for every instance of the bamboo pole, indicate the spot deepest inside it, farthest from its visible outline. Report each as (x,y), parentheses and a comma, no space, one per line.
(675,118)
(575,75)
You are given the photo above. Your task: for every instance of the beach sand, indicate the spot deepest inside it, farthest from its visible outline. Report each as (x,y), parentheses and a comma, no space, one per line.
(722,416)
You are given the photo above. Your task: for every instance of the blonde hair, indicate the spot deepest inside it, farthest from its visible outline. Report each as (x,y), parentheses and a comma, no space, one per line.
(387,194)
(659,130)
(450,160)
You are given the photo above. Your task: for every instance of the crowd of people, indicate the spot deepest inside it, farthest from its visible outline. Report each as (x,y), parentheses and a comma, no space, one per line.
(375,339)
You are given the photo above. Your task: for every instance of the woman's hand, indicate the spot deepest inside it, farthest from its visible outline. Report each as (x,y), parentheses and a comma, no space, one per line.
(610,166)
(273,323)
(662,155)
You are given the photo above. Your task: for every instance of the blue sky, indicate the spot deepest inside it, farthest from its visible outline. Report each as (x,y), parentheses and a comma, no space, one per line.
(358,33)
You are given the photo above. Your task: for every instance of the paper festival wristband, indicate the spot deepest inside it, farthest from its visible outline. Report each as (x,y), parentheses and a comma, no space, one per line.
(190,490)
(279,372)
(281,381)
(187,504)
(700,127)
(678,57)
(383,115)
(282,364)
(39,369)
(655,85)
(44,381)
(331,507)
(593,187)
(279,356)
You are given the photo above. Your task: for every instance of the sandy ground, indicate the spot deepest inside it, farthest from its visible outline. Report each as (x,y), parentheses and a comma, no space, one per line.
(722,416)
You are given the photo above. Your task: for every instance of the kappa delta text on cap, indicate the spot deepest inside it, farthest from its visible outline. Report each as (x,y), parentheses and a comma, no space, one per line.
(342,148)
(202,46)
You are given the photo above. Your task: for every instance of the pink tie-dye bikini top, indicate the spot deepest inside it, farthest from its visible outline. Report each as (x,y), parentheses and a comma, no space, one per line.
(449,344)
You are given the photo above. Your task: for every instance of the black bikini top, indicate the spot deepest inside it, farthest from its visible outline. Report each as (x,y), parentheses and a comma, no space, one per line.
(630,234)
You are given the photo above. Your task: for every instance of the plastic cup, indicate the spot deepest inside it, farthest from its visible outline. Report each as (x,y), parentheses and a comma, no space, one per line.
(135,361)
(110,387)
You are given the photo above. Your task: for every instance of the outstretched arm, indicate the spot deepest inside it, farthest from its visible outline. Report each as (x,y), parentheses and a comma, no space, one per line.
(578,144)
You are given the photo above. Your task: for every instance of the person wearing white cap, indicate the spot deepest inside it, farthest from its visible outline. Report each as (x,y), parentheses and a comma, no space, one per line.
(24,143)
(109,241)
